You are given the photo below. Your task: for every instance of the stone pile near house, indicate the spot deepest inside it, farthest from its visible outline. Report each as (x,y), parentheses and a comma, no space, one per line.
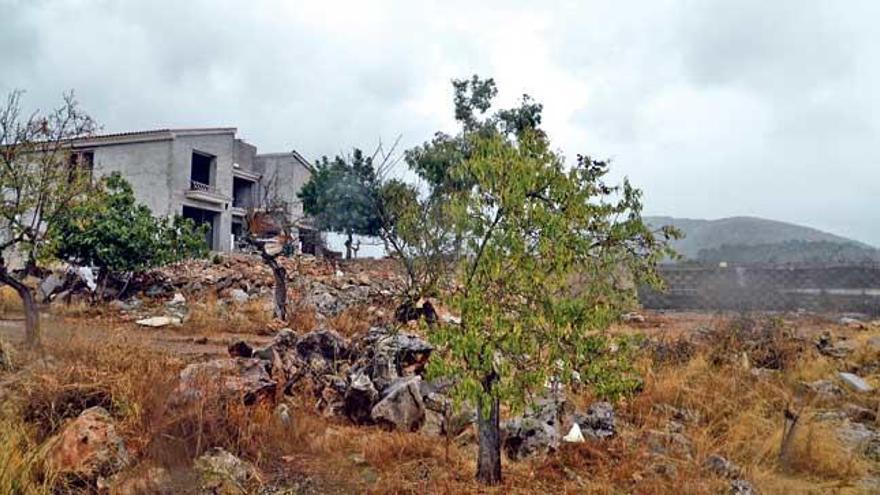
(327,287)
(375,379)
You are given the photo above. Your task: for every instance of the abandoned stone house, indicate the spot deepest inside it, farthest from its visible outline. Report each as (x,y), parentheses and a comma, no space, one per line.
(206,174)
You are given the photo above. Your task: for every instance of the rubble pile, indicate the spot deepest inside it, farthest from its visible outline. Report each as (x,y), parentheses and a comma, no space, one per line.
(376,379)
(327,287)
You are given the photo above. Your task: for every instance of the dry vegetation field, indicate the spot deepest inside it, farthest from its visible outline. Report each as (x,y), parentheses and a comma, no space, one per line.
(712,385)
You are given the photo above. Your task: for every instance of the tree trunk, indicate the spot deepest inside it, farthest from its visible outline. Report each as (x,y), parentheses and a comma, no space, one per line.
(280,275)
(348,244)
(29,303)
(489,430)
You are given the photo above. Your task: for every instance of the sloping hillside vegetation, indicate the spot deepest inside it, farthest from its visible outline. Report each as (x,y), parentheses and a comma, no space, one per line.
(758,240)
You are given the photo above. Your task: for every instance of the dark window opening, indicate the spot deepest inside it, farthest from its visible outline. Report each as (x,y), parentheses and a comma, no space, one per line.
(201,170)
(80,164)
(242,193)
(202,217)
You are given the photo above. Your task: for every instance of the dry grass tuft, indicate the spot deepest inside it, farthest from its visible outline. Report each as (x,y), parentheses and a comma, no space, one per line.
(209,316)
(353,321)
(10,302)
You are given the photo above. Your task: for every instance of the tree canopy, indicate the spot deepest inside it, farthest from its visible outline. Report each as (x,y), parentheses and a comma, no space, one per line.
(112,231)
(342,196)
(546,256)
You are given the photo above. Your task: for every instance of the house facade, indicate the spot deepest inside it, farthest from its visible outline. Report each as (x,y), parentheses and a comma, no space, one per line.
(206,174)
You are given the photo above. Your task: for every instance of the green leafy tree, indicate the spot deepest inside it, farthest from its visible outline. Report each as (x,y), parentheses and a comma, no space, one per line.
(342,196)
(533,228)
(41,176)
(548,256)
(112,231)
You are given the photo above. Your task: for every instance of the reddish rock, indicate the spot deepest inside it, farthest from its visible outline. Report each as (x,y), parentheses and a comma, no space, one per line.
(87,447)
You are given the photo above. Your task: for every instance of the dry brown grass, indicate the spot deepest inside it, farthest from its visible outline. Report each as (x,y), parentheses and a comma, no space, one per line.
(10,302)
(209,315)
(738,415)
(353,321)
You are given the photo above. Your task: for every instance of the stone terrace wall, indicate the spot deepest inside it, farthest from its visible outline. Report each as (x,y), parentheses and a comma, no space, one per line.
(820,288)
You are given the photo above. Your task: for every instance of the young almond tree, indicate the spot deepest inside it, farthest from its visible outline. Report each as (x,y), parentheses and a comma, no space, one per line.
(40,178)
(271,229)
(545,245)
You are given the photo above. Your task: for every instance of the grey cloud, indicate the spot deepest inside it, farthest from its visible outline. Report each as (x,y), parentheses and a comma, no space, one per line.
(715,108)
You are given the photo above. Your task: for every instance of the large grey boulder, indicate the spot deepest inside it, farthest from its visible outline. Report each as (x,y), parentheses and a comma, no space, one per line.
(401,405)
(49,285)
(534,433)
(359,398)
(249,380)
(598,422)
(392,354)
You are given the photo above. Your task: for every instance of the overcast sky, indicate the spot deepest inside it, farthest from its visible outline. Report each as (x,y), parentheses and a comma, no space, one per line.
(714,108)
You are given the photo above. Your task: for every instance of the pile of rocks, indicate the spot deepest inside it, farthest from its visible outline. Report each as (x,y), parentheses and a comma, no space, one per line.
(239,278)
(539,430)
(377,379)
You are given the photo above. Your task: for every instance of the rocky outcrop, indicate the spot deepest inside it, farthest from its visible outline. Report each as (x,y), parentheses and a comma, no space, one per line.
(87,448)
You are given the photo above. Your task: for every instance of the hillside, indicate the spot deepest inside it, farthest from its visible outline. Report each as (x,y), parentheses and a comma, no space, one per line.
(761,240)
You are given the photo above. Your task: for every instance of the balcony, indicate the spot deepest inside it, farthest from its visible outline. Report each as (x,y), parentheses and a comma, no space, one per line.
(205,192)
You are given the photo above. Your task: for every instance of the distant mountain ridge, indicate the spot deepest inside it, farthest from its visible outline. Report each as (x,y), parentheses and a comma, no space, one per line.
(751,239)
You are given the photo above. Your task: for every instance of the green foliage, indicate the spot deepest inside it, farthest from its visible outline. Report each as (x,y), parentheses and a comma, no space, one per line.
(342,195)
(418,230)
(434,160)
(110,230)
(550,256)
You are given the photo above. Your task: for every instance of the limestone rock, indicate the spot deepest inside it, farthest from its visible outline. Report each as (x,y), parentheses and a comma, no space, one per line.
(159,321)
(854,382)
(87,447)
(51,284)
(221,473)
(598,422)
(238,296)
(401,405)
(392,354)
(247,379)
(534,433)
(574,435)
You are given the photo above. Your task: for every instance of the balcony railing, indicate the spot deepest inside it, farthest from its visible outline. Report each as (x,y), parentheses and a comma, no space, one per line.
(198,186)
